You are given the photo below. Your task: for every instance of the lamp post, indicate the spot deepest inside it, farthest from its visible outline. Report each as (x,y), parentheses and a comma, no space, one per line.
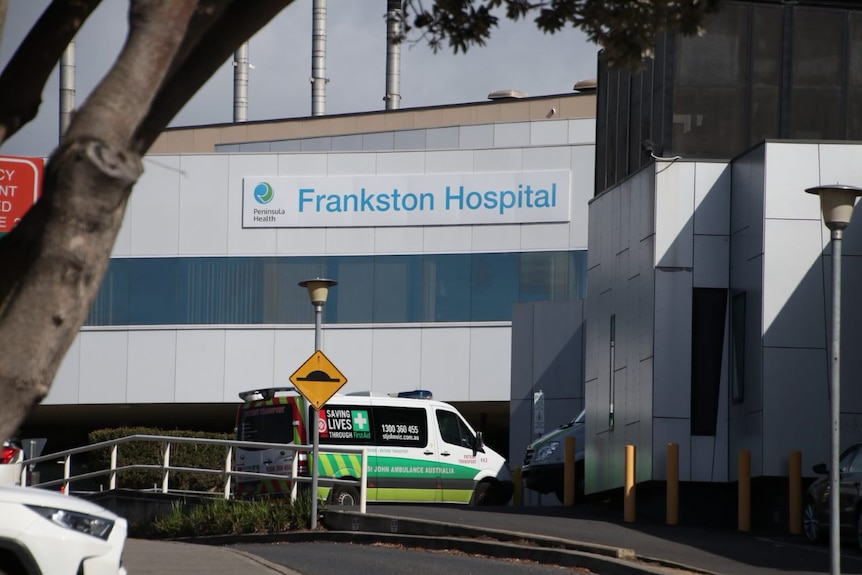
(836,203)
(318,290)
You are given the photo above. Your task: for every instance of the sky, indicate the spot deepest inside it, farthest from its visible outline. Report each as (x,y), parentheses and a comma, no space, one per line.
(518,57)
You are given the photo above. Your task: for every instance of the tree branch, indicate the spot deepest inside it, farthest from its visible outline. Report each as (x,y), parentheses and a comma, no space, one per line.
(25,75)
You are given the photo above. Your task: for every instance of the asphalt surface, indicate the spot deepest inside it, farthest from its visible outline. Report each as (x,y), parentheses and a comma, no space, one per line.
(589,536)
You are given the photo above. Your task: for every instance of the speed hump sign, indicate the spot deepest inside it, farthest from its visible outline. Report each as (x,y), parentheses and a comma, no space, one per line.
(317,379)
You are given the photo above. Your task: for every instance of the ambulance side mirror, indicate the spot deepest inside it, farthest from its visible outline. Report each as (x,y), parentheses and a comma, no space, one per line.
(478,443)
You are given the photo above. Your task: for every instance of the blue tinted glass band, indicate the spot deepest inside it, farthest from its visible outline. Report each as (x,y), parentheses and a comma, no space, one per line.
(372,289)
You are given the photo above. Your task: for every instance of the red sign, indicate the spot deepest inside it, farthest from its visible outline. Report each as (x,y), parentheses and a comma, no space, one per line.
(20,186)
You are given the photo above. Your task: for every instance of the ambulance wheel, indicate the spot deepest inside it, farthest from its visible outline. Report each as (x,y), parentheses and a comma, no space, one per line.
(484,494)
(344,495)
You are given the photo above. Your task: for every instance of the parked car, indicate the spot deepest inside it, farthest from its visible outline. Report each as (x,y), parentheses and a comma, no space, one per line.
(11,457)
(543,470)
(816,518)
(47,533)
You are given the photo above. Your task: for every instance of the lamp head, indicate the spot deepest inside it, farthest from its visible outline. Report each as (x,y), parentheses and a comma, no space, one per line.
(836,203)
(318,289)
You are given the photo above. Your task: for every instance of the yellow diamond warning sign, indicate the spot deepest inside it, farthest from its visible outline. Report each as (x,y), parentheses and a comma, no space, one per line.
(317,379)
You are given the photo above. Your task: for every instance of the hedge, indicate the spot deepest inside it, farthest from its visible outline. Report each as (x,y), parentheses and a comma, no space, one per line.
(150,452)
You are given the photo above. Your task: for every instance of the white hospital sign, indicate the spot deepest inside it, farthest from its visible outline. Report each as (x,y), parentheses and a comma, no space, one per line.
(406,200)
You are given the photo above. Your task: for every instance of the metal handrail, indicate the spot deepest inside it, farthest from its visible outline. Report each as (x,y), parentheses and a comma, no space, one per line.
(165,466)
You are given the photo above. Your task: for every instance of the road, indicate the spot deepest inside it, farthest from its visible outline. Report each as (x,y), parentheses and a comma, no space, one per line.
(349,559)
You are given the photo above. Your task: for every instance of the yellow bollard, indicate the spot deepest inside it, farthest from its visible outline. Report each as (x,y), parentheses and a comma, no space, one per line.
(744,503)
(569,473)
(518,493)
(795,473)
(629,505)
(672,484)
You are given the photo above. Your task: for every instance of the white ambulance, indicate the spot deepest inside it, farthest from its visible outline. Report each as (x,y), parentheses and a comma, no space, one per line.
(419,449)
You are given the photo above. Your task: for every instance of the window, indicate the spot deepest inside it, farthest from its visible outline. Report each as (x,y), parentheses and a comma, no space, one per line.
(267,423)
(374,289)
(403,426)
(453,430)
(345,424)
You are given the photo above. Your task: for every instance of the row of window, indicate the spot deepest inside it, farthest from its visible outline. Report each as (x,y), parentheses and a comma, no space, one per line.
(371,289)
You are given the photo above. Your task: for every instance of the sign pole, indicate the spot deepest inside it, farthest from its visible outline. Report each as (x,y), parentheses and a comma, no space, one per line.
(315,447)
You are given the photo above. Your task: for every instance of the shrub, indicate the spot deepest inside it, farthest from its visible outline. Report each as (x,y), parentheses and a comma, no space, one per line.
(150,453)
(232,517)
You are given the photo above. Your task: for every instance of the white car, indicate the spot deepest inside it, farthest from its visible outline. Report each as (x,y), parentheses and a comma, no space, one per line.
(11,457)
(47,533)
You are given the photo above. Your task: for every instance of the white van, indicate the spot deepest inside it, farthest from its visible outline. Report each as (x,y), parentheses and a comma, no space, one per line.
(419,450)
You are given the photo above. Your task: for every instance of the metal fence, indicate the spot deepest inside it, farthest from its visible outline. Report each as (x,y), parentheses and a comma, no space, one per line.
(227,472)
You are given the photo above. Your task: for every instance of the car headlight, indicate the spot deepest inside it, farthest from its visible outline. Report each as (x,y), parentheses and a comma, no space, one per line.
(83,522)
(546,450)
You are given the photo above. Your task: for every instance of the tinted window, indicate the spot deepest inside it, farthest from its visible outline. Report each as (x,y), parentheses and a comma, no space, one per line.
(453,430)
(404,426)
(267,423)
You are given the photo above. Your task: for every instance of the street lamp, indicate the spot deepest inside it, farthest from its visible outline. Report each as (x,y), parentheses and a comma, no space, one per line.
(318,289)
(836,202)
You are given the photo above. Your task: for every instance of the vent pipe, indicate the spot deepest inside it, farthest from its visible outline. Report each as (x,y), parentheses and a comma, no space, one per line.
(67,87)
(394,17)
(318,58)
(240,83)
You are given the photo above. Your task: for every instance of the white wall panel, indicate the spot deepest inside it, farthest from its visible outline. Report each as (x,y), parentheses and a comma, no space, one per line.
(790,169)
(152,366)
(391,240)
(123,244)
(544,237)
(796,406)
(444,239)
(552,158)
(449,162)
(582,131)
(793,296)
(248,241)
(155,209)
(670,430)
(351,350)
(300,241)
(674,212)
(583,178)
(64,388)
(505,160)
(397,360)
(349,241)
(200,367)
(489,360)
(672,392)
(352,164)
(248,360)
(840,164)
(204,204)
(711,261)
(712,198)
(445,364)
(498,238)
(516,134)
(400,163)
(549,132)
(304,164)
(104,367)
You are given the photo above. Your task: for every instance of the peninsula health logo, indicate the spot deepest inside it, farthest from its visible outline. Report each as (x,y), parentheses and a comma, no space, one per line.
(263,193)
(407,200)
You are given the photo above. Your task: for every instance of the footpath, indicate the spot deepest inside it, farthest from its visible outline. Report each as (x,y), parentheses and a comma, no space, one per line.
(583,535)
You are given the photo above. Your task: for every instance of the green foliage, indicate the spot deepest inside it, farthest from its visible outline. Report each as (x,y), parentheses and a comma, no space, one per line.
(150,453)
(625,29)
(231,517)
